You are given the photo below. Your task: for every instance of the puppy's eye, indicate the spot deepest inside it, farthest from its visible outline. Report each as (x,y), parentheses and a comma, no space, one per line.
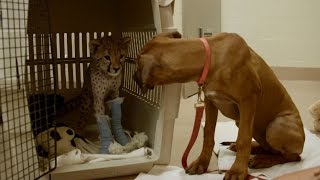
(121,56)
(107,57)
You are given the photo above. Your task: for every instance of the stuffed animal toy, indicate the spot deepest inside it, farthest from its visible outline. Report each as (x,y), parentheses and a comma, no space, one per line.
(314,110)
(64,136)
(67,140)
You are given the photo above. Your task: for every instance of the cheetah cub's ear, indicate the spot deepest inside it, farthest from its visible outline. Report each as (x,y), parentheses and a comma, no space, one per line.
(125,42)
(93,45)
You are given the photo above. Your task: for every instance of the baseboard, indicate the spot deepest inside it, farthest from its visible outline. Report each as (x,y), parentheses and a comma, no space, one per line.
(297,73)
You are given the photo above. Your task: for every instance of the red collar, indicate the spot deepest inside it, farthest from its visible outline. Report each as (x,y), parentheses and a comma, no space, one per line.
(207,63)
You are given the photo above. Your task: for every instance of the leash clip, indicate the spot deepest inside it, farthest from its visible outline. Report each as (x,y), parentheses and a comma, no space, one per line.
(200,102)
(199,107)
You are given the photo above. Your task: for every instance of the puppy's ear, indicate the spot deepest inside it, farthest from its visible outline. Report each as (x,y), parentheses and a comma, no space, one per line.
(93,45)
(173,34)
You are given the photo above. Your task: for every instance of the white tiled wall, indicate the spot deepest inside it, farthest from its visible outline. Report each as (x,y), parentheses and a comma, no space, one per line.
(177,16)
(285,33)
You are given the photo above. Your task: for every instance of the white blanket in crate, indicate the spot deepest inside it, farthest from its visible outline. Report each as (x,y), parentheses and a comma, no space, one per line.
(77,157)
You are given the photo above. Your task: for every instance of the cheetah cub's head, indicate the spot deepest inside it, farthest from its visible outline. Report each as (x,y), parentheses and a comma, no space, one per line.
(110,53)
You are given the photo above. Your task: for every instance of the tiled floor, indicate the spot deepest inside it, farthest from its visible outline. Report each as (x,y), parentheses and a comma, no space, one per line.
(303,93)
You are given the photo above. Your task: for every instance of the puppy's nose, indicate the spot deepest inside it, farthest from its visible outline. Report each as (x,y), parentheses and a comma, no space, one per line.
(135,77)
(138,80)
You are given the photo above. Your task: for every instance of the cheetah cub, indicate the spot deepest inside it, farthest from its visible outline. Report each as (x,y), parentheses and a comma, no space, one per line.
(100,92)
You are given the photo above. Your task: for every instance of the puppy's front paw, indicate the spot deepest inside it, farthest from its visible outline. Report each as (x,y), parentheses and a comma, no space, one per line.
(197,167)
(235,173)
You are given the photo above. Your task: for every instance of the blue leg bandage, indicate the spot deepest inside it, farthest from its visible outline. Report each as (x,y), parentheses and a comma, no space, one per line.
(105,133)
(119,135)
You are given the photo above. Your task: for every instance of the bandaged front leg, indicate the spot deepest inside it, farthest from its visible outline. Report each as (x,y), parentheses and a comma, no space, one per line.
(119,135)
(105,133)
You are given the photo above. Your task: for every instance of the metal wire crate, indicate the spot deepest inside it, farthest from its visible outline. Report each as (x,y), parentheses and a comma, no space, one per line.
(43,56)
(18,48)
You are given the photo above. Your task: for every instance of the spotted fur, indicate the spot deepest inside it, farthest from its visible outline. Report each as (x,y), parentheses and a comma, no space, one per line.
(102,78)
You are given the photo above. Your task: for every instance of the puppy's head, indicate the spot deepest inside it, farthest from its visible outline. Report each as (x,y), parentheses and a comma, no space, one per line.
(149,59)
(145,64)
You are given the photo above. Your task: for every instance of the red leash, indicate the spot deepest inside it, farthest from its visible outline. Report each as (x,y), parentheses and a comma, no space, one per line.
(199,105)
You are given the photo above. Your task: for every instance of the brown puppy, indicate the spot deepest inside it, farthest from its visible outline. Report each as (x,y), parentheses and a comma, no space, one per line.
(240,85)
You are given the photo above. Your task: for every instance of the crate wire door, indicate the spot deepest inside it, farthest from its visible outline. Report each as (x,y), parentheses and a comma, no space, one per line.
(139,39)
(54,55)
(19,49)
